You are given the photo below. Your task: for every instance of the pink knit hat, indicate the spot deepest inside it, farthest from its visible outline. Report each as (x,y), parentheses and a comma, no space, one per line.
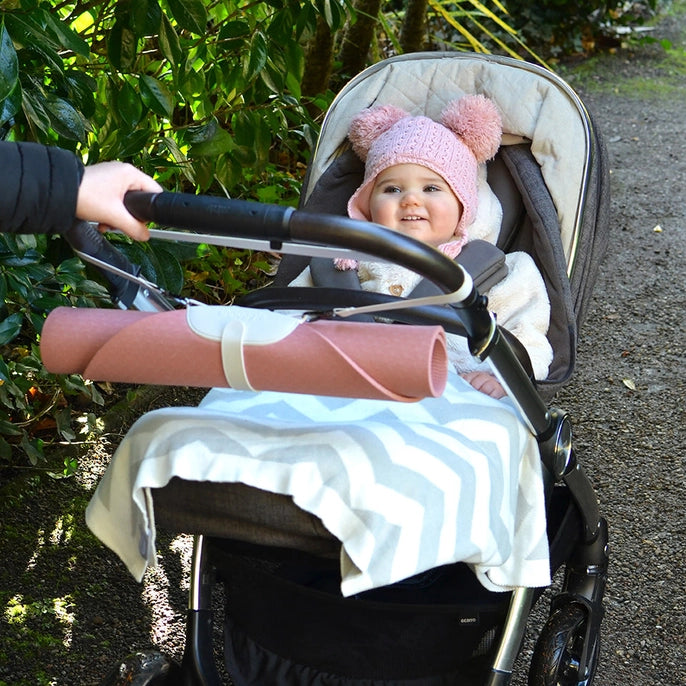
(469,133)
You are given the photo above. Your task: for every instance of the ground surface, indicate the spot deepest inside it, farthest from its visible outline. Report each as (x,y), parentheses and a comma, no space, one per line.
(69,608)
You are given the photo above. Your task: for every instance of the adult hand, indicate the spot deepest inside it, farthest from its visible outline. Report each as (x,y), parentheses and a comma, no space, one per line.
(101,197)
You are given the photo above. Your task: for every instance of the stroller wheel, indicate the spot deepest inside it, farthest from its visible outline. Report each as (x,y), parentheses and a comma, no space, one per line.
(143,668)
(557,656)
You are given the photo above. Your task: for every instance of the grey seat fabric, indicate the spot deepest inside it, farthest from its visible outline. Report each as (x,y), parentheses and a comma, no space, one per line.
(539,235)
(242,513)
(330,196)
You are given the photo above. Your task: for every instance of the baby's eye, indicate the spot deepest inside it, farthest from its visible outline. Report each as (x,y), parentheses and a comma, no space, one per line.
(391,189)
(432,188)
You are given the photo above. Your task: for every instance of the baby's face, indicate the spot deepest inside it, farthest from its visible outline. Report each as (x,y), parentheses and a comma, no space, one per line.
(416,201)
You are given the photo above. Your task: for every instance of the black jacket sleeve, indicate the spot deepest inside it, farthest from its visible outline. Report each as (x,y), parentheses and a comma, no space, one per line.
(38,188)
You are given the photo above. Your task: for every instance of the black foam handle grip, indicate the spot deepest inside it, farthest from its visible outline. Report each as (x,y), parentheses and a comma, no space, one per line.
(211,214)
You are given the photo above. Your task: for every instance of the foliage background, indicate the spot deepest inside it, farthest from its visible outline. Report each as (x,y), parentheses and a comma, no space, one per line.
(213,96)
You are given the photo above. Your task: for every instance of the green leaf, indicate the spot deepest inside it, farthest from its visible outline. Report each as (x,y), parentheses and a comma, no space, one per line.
(234,29)
(25,245)
(145,17)
(132,144)
(306,19)
(34,111)
(256,58)
(253,135)
(93,289)
(33,449)
(156,96)
(202,133)
(65,119)
(63,420)
(40,271)
(9,64)
(37,320)
(193,87)
(128,105)
(19,283)
(169,271)
(190,15)
(11,104)
(29,35)
(47,303)
(10,328)
(333,12)
(81,92)
(122,46)
(180,250)
(5,448)
(4,371)
(228,170)
(71,266)
(8,429)
(221,142)
(170,45)
(295,62)
(64,34)
(138,254)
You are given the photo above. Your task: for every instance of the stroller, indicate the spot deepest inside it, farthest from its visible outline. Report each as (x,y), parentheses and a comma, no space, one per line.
(286,622)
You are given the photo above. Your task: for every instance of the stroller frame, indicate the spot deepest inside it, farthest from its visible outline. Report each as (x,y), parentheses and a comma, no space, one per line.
(570,639)
(585,573)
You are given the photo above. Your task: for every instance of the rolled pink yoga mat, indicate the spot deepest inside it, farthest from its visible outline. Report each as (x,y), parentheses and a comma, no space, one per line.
(345,359)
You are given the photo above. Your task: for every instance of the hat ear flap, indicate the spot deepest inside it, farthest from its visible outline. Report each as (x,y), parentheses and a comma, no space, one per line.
(476,120)
(369,124)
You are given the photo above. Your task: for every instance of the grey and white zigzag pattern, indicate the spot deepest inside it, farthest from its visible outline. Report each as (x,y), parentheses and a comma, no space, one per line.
(405,487)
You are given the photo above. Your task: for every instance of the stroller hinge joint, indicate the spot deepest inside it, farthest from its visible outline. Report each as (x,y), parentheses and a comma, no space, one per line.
(556,445)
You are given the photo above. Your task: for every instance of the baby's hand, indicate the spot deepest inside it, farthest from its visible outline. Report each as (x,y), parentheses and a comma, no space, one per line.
(101,196)
(486,383)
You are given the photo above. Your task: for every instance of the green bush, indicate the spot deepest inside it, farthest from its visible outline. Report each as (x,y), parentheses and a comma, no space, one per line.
(555,28)
(201,95)
(206,96)
(34,405)
(193,92)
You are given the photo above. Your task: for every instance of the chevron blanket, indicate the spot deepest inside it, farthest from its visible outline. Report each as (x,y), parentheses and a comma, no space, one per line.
(404,487)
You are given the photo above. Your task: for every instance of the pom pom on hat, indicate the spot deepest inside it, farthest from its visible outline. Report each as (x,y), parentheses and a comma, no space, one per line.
(476,120)
(369,124)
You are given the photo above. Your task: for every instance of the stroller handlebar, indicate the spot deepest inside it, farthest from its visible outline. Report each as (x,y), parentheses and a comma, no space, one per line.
(211,214)
(278,224)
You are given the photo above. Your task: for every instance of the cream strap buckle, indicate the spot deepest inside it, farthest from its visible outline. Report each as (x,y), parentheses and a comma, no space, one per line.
(236,327)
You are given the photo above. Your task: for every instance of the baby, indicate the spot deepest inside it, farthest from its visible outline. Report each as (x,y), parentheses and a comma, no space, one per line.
(421,179)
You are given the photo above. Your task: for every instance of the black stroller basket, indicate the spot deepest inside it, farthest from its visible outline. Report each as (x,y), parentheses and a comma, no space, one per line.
(568,645)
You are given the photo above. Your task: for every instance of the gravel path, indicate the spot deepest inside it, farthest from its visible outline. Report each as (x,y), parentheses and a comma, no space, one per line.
(628,396)
(73,609)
